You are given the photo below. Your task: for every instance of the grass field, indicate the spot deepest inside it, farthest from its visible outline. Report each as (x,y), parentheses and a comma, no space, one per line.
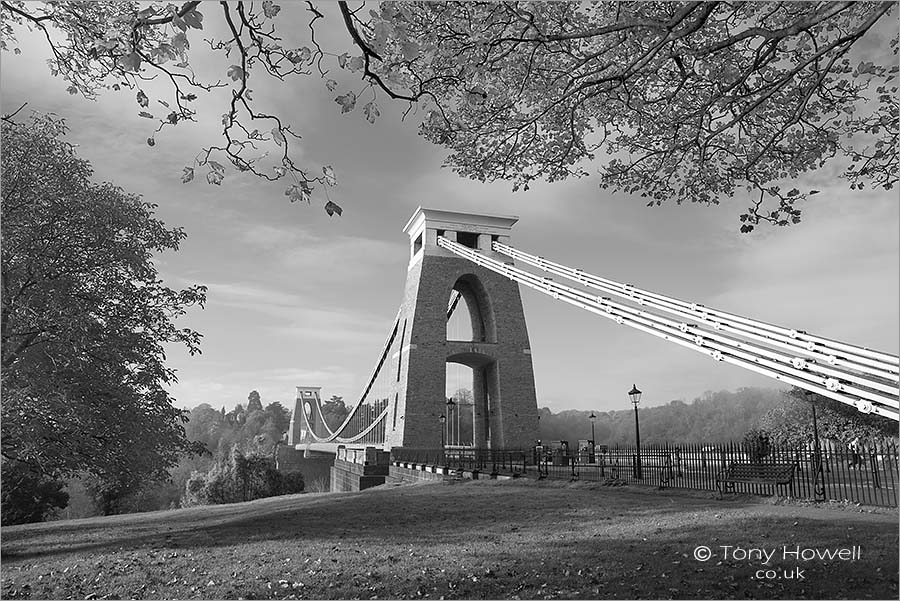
(483,539)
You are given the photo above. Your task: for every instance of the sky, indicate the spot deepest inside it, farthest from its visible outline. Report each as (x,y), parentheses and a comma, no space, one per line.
(298,298)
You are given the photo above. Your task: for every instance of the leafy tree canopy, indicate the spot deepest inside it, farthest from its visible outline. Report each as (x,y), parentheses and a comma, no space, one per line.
(791,421)
(84,318)
(682,101)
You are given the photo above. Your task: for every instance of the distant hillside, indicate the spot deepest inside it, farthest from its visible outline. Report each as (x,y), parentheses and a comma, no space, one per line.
(715,417)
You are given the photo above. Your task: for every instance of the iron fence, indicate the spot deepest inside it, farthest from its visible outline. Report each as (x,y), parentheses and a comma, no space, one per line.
(865,474)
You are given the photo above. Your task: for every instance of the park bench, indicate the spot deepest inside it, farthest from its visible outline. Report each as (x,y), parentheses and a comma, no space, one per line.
(453,476)
(780,474)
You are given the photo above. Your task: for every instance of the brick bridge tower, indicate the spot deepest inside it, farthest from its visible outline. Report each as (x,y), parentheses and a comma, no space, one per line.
(505,406)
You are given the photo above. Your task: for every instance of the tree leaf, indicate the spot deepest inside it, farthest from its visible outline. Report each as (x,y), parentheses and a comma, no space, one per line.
(410,50)
(129,62)
(278,136)
(331,208)
(151,142)
(193,18)
(347,102)
(330,178)
(142,99)
(298,192)
(235,72)
(370,110)
(300,55)
(342,60)
(331,85)
(188,175)
(270,9)
(356,63)
(215,177)
(145,114)
(217,167)
(180,42)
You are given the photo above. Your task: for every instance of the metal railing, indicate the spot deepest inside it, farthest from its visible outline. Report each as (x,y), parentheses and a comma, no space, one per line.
(866,474)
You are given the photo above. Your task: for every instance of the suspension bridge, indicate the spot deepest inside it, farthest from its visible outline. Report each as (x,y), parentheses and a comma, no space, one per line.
(467,258)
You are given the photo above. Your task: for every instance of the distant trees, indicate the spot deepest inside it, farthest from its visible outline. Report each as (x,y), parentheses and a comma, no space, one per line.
(335,411)
(240,462)
(84,320)
(715,417)
(251,430)
(218,433)
(253,402)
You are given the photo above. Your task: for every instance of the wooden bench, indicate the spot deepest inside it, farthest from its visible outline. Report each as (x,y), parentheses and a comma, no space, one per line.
(780,474)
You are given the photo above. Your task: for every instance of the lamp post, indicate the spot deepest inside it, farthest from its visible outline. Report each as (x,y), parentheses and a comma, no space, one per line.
(443,420)
(593,417)
(635,395)
(819,483)
(450,406)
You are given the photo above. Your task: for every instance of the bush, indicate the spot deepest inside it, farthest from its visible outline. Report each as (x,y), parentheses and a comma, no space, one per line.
(756,444)
(28,495)
(240,478)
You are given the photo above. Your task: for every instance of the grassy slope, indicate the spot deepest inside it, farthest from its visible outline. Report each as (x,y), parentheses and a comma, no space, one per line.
(471,540)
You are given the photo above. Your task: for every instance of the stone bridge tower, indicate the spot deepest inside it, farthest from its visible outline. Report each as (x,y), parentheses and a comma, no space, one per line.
(505,405)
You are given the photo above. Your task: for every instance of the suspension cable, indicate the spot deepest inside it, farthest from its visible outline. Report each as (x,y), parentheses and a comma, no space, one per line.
(849,388)
(335,435)
(833,352)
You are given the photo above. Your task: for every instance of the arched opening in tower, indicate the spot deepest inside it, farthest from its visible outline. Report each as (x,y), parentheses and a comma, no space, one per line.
(459,405)
(470,317)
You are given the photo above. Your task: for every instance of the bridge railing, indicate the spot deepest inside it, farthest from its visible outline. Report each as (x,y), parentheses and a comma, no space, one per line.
(482,460)
(865,473)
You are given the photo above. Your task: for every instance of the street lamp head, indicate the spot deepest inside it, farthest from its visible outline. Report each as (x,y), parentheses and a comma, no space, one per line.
(450,403)
(635,395)
(592,417)
(443,418)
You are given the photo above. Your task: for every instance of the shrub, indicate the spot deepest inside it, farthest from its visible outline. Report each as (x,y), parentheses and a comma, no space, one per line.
(756,444)
(28,495)
(240,478)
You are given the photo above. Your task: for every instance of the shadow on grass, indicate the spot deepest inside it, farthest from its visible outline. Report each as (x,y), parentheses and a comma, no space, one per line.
(491,540)
(421,513)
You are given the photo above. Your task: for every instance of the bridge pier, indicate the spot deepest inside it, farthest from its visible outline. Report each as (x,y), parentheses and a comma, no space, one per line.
(359,469)
(315,467)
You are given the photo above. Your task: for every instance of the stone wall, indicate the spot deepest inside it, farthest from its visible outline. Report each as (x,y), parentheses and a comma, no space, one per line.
(352,477)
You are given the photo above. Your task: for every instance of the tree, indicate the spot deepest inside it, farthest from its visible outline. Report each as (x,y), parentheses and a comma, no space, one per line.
(253,402)
(84,319)
(334,411)
(757,445)
(683,101)
(791,422)
(28,496)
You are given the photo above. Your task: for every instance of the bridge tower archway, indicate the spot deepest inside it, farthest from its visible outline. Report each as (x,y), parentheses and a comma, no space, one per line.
(499,352)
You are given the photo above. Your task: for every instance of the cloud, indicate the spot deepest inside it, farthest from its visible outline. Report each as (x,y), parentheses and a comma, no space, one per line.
(294,315)
(839,278)
(228,388)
